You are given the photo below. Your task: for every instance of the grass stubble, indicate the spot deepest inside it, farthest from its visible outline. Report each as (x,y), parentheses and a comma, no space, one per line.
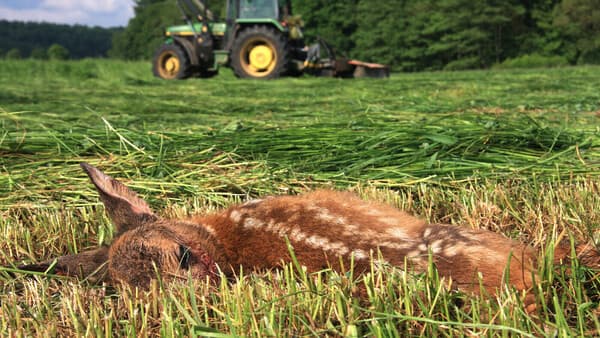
(513,152)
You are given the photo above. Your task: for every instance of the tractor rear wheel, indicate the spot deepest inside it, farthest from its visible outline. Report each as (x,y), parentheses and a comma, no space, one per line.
(171,62)
(260,52)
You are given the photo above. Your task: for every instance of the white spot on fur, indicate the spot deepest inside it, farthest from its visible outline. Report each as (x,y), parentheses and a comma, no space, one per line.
(235,216)
(253,223)
(436,246)
(394,245)
(398,233)
(427,232)
(277,228)
(414,253)
(451,251)
(317,241)
(326,215)
(297,235)
(353,229)
(360,254)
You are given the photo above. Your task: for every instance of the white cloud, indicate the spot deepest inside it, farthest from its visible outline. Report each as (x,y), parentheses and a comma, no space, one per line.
(96,6)
(105,13)
(40,15)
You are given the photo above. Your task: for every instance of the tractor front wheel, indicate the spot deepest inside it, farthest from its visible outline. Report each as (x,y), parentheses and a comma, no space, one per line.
(171,62)
(260,52)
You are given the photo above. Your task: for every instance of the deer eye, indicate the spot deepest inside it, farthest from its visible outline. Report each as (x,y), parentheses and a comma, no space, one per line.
(185,256)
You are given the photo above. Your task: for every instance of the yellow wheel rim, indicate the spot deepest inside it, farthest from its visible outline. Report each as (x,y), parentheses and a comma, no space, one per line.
(261,57)
(258,57)
(168,65)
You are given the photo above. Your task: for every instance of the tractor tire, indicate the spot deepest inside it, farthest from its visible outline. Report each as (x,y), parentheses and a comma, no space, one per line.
(171,62)
(260,52)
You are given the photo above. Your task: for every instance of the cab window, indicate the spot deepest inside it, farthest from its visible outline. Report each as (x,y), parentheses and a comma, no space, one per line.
(257,9)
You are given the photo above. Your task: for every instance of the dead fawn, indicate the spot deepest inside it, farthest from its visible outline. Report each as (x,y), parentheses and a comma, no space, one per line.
(327,229)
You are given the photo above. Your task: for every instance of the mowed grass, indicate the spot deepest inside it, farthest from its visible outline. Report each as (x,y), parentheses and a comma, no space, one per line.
(516,152)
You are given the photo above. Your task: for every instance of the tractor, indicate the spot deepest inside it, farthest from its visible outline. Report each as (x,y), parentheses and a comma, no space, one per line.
(258,39)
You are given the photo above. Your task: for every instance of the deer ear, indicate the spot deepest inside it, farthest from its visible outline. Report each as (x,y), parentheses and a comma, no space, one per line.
(90,265)
(124,207)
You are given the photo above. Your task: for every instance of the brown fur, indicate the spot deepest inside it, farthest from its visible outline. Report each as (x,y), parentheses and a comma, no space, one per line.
(325,228)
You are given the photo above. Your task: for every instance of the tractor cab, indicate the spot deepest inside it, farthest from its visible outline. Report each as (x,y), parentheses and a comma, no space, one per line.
(278,13)
(258,9)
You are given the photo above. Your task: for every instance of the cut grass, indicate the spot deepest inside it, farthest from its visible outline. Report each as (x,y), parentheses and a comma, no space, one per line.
(515,152)
(289,302)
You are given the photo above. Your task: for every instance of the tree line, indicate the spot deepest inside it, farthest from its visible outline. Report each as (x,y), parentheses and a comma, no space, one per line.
(409,35)
(414,35)
(47,40)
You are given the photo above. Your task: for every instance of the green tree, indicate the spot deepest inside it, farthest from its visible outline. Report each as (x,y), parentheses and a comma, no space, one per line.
(13,54)
(579,22)
(38,53)
(81,41)
(471,34)
(145,31)
(57,52)
(414,35)
(540,35)
(380,33)
(334,21)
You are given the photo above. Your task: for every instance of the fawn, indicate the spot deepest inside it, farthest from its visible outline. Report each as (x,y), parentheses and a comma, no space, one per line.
(325,228)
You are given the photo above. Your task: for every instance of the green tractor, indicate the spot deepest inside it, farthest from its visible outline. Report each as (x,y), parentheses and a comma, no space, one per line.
(258,39)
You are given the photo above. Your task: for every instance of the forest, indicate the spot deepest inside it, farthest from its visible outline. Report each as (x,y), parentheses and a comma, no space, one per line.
(409,35)
(33,39)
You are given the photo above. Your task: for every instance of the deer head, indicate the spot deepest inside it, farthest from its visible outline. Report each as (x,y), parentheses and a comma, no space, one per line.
(146,246)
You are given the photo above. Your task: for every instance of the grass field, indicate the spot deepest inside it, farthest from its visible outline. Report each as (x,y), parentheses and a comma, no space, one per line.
(516,152)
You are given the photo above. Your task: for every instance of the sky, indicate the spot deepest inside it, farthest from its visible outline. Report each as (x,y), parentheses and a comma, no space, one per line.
(104,13)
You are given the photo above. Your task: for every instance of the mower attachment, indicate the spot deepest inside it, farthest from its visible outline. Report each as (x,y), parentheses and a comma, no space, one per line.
(338,66)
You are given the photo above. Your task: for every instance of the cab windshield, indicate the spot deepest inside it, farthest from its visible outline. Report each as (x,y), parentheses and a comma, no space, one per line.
(259,9)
